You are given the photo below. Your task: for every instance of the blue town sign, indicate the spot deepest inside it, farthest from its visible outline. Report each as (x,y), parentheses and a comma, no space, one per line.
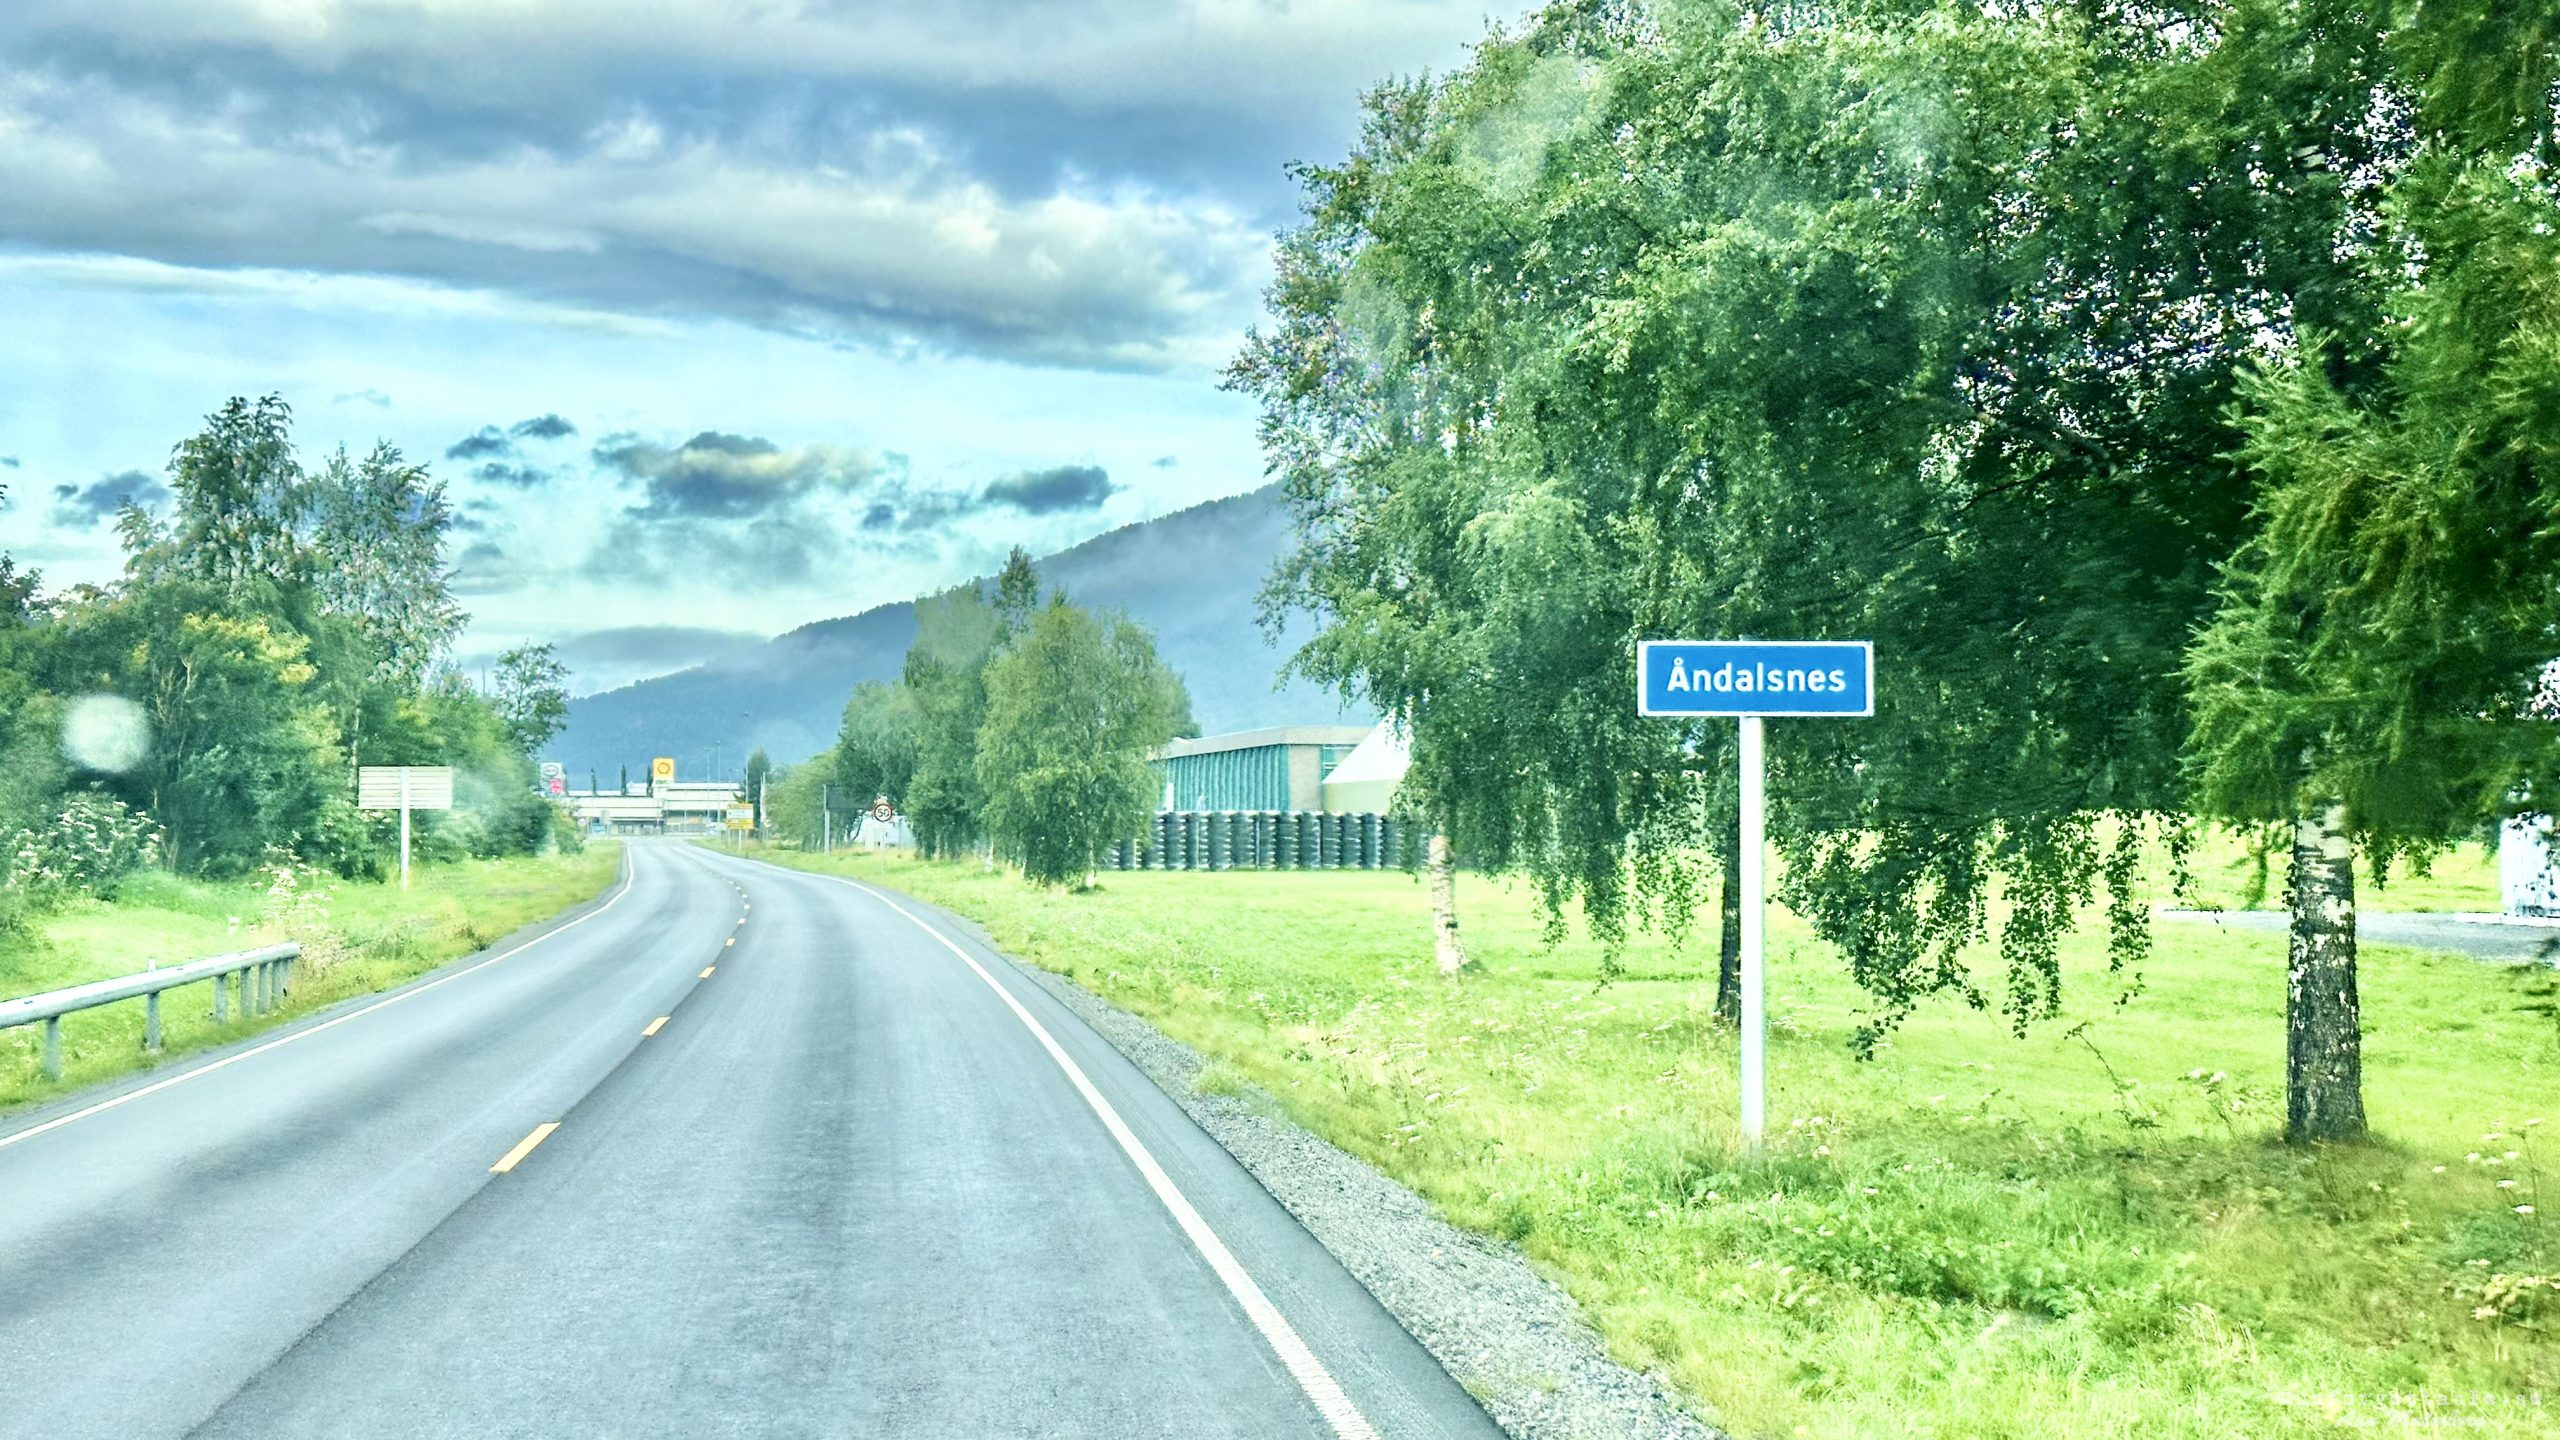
(1756,677)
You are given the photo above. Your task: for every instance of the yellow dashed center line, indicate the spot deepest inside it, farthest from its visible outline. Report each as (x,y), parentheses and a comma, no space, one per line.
(524,1147)
(654,1027)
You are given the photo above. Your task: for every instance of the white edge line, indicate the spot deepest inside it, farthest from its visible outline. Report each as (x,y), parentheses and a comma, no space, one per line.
(155,1087)
(1318,1383)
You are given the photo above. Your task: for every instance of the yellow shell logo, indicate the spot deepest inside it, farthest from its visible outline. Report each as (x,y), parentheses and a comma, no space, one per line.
(663,768)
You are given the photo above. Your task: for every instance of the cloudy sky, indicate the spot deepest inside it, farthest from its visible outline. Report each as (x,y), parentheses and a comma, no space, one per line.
(716,316)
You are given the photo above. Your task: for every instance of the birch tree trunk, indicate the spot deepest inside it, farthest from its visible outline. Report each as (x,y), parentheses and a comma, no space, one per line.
(2324,1038)
(1729,943)
(1445,949)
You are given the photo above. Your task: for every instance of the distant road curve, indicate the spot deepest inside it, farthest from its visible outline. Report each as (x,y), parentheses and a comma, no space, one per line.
(2498,938)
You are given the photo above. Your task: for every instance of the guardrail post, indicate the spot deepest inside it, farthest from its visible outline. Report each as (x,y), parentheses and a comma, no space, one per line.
(53,1048)
(220,999)
(151,1021)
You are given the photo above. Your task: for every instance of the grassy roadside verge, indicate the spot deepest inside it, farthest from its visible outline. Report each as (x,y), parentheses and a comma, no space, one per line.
(357,938)
(1972,1235)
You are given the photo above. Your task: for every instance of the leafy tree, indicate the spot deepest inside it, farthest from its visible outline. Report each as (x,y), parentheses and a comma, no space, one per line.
(957,635)
(793,813)
(532,696)
(759,766)
(1073,707)
(1901,321)
(377,530)
(875,749)
(239,499)
(2370,675)
(240,755)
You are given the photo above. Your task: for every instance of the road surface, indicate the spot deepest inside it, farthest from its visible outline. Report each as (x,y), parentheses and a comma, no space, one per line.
(2483,937)
(863,1179)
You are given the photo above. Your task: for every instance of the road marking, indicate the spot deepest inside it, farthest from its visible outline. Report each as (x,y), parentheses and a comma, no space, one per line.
(654,1027)
(524,1147)
(706,972)
(732,940)
(1318,1383)
(127,1098)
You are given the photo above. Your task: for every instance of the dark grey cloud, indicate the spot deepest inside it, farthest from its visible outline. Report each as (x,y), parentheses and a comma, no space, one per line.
(515,475)
(361,397)
(542,427)
(86,505)
(1052,491)
(8,462)
(1165,462)
(730,477)
(1090,184)
(488,440)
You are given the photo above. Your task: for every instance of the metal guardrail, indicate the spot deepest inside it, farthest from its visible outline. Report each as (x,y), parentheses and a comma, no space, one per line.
(265,975)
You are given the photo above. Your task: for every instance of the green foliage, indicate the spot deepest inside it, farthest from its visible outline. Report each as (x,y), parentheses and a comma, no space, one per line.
(957,635)
(1934,324)
(382,522)
(281,631)
(533,698)
(759,766)
(875,750)
(86,848)
(240,497)
(2383,637)
(1073,708)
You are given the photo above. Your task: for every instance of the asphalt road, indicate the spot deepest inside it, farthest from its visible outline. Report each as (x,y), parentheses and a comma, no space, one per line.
(2492,938)
(864,1179)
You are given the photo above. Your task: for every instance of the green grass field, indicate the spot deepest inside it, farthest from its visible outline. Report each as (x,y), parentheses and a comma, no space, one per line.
(2463,878)
(1972,1235)
(357,938)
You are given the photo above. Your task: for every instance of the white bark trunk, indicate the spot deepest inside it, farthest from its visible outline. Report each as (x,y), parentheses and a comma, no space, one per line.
(1445,949)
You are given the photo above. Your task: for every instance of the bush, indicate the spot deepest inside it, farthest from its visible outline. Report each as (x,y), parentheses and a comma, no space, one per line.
(93,842)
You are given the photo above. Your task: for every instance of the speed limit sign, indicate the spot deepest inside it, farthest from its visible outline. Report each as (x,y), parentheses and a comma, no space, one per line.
(883,811)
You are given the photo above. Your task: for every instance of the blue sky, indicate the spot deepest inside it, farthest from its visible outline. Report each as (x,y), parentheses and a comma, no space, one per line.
(716,316)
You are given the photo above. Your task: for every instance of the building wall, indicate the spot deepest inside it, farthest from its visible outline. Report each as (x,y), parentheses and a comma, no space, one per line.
(1261,778)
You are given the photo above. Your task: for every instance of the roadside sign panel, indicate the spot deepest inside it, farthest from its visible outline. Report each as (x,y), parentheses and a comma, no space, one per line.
(742,817)
(1756,677)
(1754,680)
(430,787)
(404,788)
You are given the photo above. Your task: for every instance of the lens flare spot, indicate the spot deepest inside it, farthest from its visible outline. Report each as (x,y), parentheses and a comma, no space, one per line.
(105,732)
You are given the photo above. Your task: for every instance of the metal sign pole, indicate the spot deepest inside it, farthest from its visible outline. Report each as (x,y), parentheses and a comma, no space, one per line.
(404,827)
(1755,1034)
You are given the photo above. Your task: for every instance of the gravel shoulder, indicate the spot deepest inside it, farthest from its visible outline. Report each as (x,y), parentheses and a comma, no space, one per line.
(1516,1342)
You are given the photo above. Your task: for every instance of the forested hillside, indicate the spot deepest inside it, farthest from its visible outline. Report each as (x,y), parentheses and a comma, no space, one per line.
(1191,577)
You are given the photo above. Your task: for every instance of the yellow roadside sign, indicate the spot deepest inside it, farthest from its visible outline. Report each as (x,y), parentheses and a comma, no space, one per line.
(663,768)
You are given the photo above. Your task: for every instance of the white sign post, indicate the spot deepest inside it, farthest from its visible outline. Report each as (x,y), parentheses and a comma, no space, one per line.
(404,788)
(1751,680)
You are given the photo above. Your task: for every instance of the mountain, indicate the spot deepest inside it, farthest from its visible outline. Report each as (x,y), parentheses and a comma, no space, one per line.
(1191,577)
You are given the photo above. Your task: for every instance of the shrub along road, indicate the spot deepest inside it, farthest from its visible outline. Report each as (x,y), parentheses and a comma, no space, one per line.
(828,1178)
